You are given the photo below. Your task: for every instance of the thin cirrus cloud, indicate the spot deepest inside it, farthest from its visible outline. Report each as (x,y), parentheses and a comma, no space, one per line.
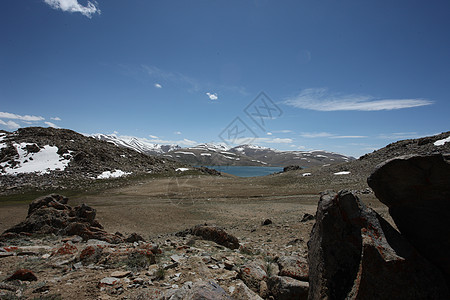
(56,118)
(73,6)
(212,96)
(158,86)
(321,100)
(259,140)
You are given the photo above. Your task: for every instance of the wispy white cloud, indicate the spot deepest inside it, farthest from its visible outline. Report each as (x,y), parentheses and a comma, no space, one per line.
(330,135)
(10,124)
(315,134)
(283,131)
(56,118)
(6,115)
(73,6)
(177,132)
(158,86)
(322,100)
(153,136)
(269,133)
(212,96)
(50,124)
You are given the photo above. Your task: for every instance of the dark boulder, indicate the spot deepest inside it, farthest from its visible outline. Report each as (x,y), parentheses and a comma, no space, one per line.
(417,191)
(266,222)
(355,254)
(291,168)
(23,275)
(134,237)
(307,217)
(216,234)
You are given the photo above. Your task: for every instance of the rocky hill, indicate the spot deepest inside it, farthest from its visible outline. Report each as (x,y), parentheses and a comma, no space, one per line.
(46,158)
(354,173)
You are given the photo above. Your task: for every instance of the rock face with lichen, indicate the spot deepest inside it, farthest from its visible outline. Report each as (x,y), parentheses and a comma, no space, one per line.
(417,191)
(355,254)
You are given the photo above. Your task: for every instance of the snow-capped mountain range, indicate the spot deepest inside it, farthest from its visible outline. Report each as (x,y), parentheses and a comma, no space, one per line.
(209,154)
(138,144)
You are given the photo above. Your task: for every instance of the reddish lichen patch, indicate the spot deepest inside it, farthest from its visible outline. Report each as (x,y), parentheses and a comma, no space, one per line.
(66,248)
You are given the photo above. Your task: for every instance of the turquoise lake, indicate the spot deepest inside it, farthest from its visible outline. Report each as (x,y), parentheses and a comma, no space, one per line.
(246,171)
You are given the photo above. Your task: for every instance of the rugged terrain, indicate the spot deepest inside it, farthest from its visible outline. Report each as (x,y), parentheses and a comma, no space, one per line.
(211,154)
(271,216)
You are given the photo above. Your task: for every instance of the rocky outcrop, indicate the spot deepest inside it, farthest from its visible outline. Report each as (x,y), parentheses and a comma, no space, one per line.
(355,254)
(52,215)
(417,191)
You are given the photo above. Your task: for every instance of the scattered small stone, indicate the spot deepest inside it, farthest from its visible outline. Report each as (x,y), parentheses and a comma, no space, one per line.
(228,264)
(42,289)
(307,217)
(171,266)
(138,280)
(120,274)
(266,222)
(109,281)
(176,258)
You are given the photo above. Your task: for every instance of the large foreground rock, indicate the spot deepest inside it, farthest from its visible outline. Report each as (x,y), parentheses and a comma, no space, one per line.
(417,191)
(355,254)
(52,215)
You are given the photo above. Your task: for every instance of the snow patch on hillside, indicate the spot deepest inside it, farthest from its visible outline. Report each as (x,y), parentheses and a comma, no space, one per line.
(185,153)
(342,173)
(42,162)
(114,174)
(442,142)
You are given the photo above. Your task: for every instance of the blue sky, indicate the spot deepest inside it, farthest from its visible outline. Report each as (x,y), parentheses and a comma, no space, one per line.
(344,76)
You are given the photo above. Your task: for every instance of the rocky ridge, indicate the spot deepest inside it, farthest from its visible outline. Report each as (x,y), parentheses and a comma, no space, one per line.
(210,154)
(353,174)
